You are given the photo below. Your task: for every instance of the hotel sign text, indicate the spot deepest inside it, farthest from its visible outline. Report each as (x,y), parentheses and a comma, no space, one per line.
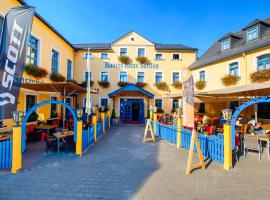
(131,66)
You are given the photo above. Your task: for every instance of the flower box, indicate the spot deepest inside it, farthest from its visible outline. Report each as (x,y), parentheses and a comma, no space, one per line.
(84,84)
(35,71)
(56,77)
(230,80)
(122,84)
(104,84)
(141,84)
(177,84)
(124,59)
(200,85)
(162,86)
(142,60)
(260,76)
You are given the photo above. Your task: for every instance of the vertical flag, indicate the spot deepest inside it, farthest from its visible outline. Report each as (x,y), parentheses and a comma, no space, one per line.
(188,98)
(88,96)
(16,31)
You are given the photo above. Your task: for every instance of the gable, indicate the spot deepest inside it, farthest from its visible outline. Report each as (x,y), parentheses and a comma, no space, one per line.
(132,38)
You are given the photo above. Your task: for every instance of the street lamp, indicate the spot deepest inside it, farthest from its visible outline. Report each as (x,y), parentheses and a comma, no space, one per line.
(102,108)
(227,114)
(79,113)
(94,110)
(155,109)
(18,117)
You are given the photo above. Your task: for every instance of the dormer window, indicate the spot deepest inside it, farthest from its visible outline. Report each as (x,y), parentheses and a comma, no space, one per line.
(225,44)
(252,33)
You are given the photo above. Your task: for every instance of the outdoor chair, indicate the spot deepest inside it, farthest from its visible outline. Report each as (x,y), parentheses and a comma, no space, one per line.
(51,143)
(251,142)
(33,134)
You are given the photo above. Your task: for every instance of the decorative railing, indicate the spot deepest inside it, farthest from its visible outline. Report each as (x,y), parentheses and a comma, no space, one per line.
(99,129)
(87,137)
(6,154)
(167,132)
(106,122)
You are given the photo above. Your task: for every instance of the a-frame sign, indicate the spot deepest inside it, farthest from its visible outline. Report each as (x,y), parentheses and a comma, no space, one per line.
(148,128)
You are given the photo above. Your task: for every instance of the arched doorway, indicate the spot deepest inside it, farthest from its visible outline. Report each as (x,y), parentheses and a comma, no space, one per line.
(29,112)
(240,109)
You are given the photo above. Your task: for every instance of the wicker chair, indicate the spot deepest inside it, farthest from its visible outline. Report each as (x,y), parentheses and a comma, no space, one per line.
(251,142)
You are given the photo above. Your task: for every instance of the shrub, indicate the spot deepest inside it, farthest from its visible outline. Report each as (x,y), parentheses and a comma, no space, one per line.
(35,71)
(33,117)
(260,76)
(113,114)
(141,84)
(56,77)
(162,86)
(124,59)
(122,84)
(142,60)
(230,80)
(104,84)
(54,114)
(177,84)
(200,85)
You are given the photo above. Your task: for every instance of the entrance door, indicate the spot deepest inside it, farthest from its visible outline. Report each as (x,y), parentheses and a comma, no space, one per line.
(135,111)
(125,109)
(132,110)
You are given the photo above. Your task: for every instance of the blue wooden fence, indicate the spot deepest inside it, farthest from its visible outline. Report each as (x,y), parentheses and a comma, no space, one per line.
(212,146)
(87,137)
(106,122)
(99,129)
(166,132)
(6,154)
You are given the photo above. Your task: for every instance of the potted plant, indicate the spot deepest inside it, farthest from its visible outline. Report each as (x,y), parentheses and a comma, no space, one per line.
(162,86)
(104,84)
(114,119)
(177,84)
(84,84)
(141,84)
(56,77)
(33,117)
(230,80)
(35,71)
(200,85)
(142,60)
(122,84)
(54,114)
(260,76)
(159,110)
(124,59)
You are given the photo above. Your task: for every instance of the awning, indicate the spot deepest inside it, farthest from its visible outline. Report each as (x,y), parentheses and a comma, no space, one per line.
(131,88)
(63,87)
(251,90)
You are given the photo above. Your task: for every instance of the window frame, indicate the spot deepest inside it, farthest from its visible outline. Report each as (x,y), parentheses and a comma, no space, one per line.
(104,53)
(179,54)
(161,56)
(38,49)
(71,69)
(204,75)
(91,75)
(155,76)
(123,48)
(101,98)
(162,103)
(230,65)
(223,42)
(257,60)
(59,60)
(56,105)
(101,75)
(1,28)
(143,76)
(178,101)
(144,51)
(90,53)
(120,75)
(248,32)
(173,76)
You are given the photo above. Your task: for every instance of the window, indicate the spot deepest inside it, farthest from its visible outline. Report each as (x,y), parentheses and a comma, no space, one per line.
(104,76)
(158,77)
(264,110)
(201,108)
(104,102)
(175,77)
(31,100)
(263,62)
(141,52)
(32,51)
(225,44)
(234,69)
(1,24)
(176,56)
(158,103)
(202,75)
(55,62)
(252,34)
(140,77)
(104,56)
(123,76)
(53,106)
(86,76)
(175,103)
(123,51)
(88,55)
(69,70)
(159,56)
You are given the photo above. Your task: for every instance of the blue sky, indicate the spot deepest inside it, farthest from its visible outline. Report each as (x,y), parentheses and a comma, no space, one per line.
(194,23)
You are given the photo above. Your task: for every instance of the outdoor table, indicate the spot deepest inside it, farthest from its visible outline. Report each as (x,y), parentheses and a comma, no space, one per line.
(46,127)
(265,138)
(62,135)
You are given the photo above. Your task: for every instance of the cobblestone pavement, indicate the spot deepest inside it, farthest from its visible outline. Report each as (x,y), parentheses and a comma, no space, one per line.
(119,166)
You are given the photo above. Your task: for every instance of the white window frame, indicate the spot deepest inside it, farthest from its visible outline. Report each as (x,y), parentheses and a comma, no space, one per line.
(72,70)
(122,48)
(32,94)
(85,55)
(162,102)
(222,44)
(99,101)
(178,103)
(104,58)
(57,105)
(162,76)
(255,59)
(143,76)
(231,62)
(101,75)
(180,56)
(199,77)
(144,51)
(176,72)
(251,28)
(39,49)
(59,60)
(120,74)
(162,56)
(90,75)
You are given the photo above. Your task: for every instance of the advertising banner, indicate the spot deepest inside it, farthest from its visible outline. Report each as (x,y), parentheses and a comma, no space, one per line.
(13,48)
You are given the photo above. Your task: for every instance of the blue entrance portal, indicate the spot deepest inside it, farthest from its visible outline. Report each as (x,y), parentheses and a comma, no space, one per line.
(132,110)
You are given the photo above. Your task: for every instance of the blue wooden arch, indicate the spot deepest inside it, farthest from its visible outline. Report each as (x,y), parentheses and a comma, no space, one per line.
(239,110)
(32,109)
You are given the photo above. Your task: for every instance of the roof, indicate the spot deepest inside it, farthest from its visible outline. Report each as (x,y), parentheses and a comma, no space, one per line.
(174,47)
(131,88)
(48,24)
(214,54)
(97,46)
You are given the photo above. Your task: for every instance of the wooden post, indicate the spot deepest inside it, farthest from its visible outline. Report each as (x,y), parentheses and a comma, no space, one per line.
(179,125)
(155,123)
(79,138)
(151,115)
(150,129)
(102,115)
(94,121)
(16,149)
(190,166)
(227,146)
(109,117)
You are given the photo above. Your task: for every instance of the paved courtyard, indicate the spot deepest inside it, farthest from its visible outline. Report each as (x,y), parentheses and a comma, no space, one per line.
(119,166)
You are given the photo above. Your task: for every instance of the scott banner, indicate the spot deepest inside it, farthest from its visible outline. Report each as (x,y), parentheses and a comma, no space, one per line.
(188,98)
(16,31)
